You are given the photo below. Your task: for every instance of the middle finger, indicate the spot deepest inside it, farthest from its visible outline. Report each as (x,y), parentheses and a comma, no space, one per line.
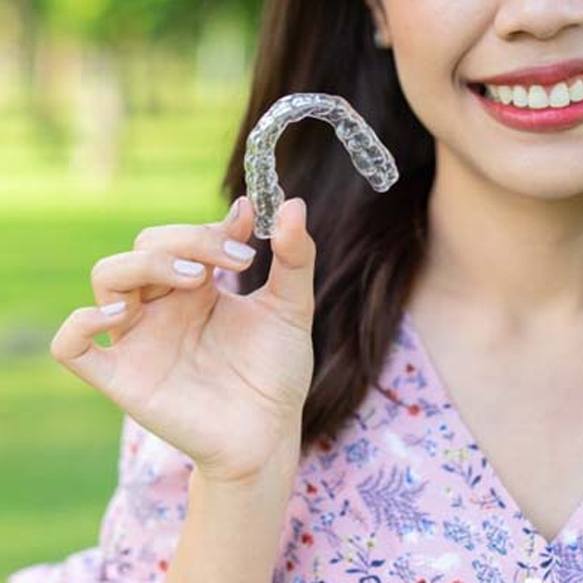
(206,243)
(121,275)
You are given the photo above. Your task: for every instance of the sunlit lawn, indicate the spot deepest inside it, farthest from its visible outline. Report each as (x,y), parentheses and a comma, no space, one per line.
(58,436)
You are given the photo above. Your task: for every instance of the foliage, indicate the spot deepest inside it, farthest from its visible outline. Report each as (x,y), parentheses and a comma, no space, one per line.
(58,437)
(116,22)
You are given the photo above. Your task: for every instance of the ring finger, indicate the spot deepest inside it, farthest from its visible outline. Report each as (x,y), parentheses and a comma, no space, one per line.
(124,276)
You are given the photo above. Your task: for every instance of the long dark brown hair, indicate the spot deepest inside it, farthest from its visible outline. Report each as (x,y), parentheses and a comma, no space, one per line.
(369,245)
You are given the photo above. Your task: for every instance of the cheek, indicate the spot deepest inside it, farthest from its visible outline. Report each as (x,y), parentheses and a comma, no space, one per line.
(435,42)
(426,81)
(430,40)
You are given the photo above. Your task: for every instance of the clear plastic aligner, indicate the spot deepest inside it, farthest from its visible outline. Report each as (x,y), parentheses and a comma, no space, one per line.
(369,155)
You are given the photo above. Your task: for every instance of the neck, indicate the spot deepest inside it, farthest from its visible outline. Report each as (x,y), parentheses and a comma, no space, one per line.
(513,252)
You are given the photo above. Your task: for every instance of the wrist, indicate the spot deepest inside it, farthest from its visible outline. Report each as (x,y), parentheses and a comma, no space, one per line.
(280,467)
(216,539)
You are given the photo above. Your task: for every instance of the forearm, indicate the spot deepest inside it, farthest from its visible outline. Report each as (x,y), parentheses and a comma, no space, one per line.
(232,531)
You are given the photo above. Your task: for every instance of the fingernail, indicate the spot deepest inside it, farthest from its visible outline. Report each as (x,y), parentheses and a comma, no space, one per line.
(189,268)
(238,251)
(234,210)
(113,309)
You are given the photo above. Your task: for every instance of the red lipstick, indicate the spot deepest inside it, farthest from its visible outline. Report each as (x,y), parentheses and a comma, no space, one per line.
(543,75)
(547,119)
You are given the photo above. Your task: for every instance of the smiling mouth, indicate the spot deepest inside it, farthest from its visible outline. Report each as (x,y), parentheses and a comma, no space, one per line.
(533,97)
(513,106)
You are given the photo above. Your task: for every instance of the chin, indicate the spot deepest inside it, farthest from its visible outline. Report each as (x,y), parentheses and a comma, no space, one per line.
(539,174)
(554,184)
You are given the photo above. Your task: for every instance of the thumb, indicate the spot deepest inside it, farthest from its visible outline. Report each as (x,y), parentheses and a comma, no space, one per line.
(291,277)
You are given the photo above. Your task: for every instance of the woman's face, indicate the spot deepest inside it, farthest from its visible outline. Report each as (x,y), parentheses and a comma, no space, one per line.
(440,45)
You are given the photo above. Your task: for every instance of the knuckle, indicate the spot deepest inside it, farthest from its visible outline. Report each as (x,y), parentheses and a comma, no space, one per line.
(148,262)
(204,238)
(306,310)
(299,309)
(77,316)
(299,317)
(98,268)
(54,349)
(312,249)
(200,236)
(144,237)
(161,236)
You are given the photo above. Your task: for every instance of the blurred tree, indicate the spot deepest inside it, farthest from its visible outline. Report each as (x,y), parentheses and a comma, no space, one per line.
(30,14)
(115,23)
(109,33)
(109,40)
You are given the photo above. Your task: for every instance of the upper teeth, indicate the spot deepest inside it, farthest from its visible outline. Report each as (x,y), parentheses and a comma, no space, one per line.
(537,96)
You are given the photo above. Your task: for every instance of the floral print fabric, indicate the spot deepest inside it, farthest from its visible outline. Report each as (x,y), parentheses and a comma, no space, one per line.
(403,494)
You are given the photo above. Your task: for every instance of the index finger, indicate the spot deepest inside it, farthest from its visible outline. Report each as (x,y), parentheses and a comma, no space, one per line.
(203,242)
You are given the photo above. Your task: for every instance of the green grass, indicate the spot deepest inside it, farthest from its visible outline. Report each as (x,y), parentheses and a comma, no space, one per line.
(59,437)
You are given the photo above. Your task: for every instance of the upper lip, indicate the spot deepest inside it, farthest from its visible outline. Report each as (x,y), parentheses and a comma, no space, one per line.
(542,75)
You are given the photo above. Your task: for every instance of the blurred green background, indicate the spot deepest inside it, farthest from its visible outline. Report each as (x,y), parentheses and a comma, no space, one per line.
(114,115)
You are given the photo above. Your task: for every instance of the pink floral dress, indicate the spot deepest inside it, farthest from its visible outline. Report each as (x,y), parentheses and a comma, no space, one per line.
(403,495)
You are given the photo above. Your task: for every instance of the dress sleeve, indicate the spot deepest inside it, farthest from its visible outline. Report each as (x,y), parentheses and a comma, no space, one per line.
(141,525)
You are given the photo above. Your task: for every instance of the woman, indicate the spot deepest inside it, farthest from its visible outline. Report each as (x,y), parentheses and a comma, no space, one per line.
(330,443)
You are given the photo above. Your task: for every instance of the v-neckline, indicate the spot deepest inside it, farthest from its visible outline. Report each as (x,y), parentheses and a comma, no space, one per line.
(431,370)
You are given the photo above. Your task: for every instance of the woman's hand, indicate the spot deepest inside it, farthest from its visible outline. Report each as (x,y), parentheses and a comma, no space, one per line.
(221,376)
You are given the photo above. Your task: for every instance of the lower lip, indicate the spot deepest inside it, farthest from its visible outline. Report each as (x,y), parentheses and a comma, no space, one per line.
(534,120)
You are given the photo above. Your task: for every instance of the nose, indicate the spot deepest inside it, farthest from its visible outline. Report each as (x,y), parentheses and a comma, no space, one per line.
(542,19)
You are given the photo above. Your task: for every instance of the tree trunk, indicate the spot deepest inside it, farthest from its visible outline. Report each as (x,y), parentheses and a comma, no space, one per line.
(99,119)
